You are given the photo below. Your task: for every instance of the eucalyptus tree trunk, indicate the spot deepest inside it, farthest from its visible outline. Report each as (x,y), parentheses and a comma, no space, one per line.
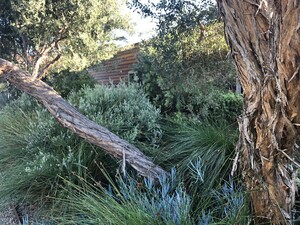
(70,118)
(264,39)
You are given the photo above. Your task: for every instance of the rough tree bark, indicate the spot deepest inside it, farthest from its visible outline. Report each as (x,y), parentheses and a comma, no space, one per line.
(264,39)
(70,118)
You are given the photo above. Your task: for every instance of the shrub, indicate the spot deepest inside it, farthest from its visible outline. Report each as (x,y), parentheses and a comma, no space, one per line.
(40,159)
(125,110)
(176,68)
(67,81)
(231,204)
(214,105)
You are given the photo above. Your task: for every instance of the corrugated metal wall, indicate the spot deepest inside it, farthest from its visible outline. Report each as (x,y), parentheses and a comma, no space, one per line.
(117,68)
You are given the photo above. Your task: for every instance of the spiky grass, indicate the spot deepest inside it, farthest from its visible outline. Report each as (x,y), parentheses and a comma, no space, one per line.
(91,206)
(202,154)
(14,125)
(128,201)
(139,201)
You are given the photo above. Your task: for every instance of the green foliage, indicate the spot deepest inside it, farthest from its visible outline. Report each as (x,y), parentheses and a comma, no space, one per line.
(8,93)
(231,204)
(80,32)
(107,104)
(66,81)
(4,95)
(15,125)
(8,44)
(35,149)
(187,58)
(185,68)
(129,202)
(176,70)
(202,153)
(177,15)
(150,202)
(214,105)
(27,221)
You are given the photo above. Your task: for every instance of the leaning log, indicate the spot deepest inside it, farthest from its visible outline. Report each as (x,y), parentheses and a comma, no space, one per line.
(69,117)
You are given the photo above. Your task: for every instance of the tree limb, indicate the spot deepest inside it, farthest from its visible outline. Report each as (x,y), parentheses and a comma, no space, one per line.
(43,71)
(42,57)
(70,118)
(39,61)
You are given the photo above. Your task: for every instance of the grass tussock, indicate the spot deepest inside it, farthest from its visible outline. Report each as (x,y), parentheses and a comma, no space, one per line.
(151,202)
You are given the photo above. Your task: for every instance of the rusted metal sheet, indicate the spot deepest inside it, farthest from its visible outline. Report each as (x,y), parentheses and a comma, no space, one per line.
(117,68)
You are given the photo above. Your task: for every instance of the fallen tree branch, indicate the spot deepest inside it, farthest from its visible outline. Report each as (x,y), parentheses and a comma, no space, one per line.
(70,118)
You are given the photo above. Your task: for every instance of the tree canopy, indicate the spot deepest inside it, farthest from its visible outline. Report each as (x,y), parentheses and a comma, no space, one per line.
(37,34)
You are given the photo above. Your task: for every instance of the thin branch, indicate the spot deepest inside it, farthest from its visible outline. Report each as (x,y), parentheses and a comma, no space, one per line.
(294,75)
(46,68)
(40,59)
(286,155)
(25,50)
(36,73)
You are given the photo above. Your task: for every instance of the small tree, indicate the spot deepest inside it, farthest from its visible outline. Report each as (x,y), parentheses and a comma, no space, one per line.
(264,38)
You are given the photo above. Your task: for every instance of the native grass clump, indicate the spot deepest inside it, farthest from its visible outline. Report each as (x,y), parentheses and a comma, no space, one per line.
(145,201)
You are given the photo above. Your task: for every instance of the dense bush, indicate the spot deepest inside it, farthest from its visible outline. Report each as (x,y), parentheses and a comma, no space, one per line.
(34,148)
(124,109)
(175,69)
(215,105)
(65,82)
(36,152)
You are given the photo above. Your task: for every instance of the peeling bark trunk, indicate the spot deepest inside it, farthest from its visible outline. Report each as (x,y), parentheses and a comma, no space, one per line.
(70,118)
(265,42)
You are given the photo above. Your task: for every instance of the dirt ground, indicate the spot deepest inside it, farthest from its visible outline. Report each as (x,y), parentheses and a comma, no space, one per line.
(8,215)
